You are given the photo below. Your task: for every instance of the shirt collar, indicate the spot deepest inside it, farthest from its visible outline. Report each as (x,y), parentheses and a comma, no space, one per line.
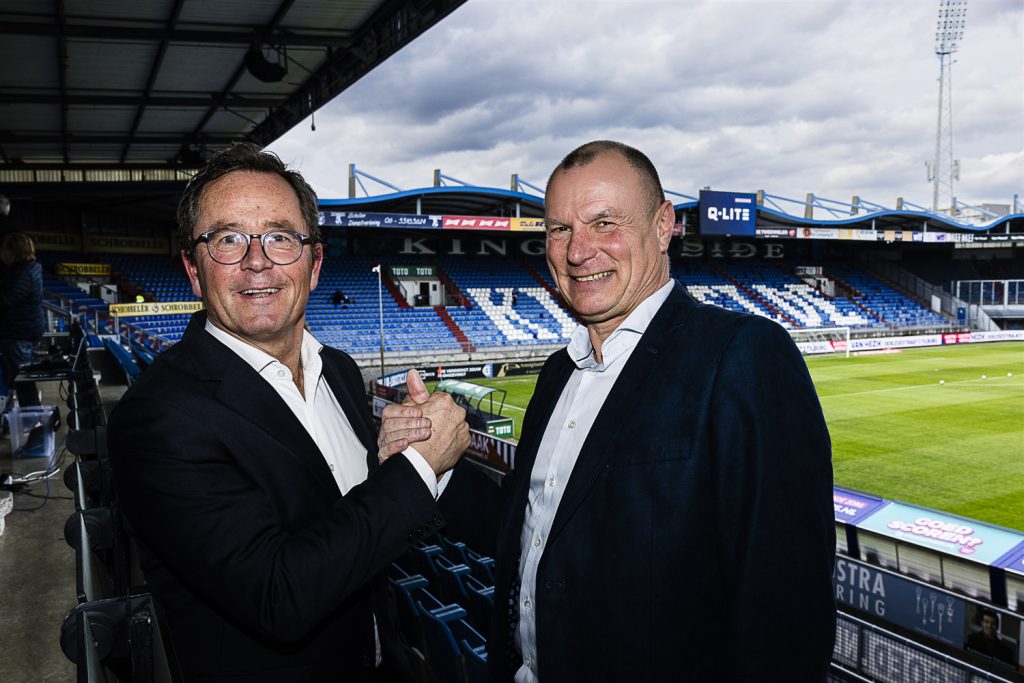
(623,339)
(259,360)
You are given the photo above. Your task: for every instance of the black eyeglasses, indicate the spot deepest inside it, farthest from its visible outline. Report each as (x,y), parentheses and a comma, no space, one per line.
(227,246)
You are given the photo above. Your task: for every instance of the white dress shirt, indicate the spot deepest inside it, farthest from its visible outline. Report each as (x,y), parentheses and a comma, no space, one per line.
(570,423)
(319,410)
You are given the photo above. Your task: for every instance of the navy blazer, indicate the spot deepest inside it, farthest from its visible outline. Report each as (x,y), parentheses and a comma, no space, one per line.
(695,537)
(264,570)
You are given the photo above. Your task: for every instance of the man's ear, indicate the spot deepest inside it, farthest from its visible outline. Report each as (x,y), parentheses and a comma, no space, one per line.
(318,260)
(193,274)
(666,218)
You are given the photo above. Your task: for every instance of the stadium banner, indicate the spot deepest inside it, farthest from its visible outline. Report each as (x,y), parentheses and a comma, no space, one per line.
(362,219)
(55,241)
(156,308)
(819,234)
(995,336)
(476,223)
(126,244)
(998,238)
(877,343)
(853,506)
(412,271)
(498,453)
(811,348)
(526,224)
(772,232)
(962,538)
(886,659)
(85,269)
(474,371)
(909,604)
(727,213)
(502,427)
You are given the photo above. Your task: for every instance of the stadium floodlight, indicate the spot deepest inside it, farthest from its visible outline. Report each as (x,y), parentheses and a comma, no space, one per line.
(944,170)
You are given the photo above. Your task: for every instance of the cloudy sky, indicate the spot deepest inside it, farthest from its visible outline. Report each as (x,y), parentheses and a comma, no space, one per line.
(836,98)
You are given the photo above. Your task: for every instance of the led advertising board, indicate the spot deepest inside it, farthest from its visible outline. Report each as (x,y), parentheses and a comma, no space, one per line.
(853,506)
(951,535)
(727,213)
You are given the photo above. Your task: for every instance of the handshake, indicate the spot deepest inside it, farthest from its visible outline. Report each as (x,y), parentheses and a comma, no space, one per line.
(433,422)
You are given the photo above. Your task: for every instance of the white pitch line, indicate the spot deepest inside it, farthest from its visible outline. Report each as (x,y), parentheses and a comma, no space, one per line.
(919,386)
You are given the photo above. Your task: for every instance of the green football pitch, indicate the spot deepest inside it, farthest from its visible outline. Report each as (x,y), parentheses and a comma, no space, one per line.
(941,427)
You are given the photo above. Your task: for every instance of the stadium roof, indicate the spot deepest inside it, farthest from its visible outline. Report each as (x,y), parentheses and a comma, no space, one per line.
(467,201)
(148,83)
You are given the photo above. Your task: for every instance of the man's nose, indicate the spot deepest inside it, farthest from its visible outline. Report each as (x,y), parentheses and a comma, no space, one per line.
(580,248)
(256,258)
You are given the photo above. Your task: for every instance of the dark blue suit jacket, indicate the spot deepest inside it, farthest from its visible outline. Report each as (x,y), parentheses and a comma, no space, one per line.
(695,538)
(264,570)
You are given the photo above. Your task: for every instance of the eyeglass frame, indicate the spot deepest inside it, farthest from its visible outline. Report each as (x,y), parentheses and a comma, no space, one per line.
(205,237)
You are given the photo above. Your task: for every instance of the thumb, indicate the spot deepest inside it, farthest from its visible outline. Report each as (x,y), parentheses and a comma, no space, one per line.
(417,389)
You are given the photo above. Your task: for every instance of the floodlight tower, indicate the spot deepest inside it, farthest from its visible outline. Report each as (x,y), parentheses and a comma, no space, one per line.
(943,170)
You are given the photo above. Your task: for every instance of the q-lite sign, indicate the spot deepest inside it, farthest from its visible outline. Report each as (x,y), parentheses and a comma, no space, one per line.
(727,213)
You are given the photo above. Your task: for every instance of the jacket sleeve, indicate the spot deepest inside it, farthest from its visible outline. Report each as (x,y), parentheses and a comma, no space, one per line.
(473,506)
(21,285)
(772,456)
(187,496)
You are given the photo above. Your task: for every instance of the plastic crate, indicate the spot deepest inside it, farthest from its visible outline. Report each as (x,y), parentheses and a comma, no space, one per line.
(32,431)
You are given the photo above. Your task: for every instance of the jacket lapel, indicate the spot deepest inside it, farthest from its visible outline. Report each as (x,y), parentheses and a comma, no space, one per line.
(617,408)
(258,406)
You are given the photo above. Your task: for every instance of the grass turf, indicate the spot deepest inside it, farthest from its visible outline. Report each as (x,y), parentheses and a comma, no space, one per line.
(898,433)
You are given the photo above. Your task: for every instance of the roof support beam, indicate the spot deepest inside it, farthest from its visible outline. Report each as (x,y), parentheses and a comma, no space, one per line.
(241,35)
(279,15)
(185,101)
(154,71)
(10,139)
(392,27)
(62,75)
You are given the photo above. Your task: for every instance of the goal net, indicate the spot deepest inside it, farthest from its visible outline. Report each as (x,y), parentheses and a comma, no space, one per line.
(822,340)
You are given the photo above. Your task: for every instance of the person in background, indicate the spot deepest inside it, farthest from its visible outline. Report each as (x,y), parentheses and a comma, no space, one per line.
(987,641)
(22,321)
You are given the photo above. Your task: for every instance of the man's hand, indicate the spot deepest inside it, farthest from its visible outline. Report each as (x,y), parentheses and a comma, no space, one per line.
(434,423)
(400,426)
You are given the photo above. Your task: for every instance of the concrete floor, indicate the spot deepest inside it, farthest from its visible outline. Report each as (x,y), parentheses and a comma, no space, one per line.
(37,566)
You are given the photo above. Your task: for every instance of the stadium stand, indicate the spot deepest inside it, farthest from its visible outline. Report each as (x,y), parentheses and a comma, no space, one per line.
(502,302)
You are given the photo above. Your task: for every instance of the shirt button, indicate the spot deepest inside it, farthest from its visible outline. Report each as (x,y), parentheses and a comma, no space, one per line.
(332,466)
(528,661)
(572,424)
(280,373)
(536,542)
(527,604)
(552,482)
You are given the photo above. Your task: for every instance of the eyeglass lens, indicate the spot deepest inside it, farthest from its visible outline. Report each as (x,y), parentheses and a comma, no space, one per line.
(230,246)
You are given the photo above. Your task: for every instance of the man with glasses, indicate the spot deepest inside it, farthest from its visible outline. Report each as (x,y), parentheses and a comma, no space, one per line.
(245,457)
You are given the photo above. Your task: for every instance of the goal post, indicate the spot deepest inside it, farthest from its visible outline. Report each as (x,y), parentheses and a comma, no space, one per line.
(818,340)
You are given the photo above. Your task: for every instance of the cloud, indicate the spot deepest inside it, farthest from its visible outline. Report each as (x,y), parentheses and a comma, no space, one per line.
(797,96)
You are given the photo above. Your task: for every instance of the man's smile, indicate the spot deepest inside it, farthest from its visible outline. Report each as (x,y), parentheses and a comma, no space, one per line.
(591,278)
